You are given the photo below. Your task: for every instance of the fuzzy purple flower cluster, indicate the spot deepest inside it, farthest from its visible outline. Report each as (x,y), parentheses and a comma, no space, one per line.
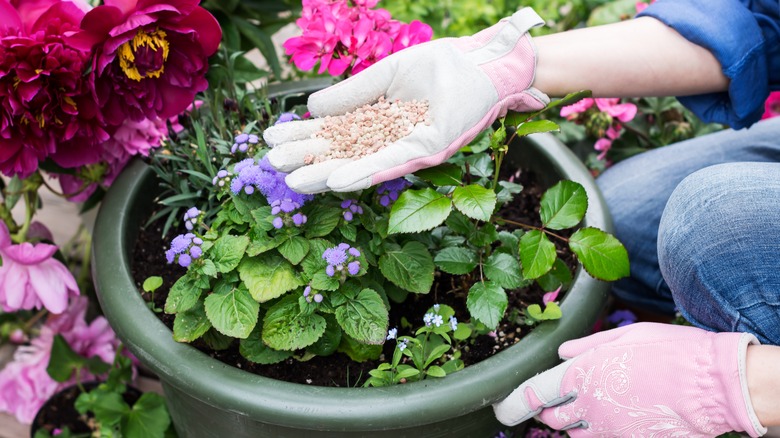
(343,259)
(191,218)
(249,176)
(351,208)
(242,142)
(285,212)
(389,191)
(184,249)
(316,297)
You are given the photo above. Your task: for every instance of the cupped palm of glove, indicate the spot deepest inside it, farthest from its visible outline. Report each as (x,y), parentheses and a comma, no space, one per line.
(468,82)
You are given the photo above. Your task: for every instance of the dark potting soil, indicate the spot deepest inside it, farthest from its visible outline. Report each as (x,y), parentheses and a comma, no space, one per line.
(338,370)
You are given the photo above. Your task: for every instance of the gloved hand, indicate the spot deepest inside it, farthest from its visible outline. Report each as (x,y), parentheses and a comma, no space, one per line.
(468,83)
(645,380)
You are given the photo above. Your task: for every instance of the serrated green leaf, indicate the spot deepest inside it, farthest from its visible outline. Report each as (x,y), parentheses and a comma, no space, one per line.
(357,351)
(504,270)
(480,165)
(110,407)
(263,219)
(364,318)
(484,235)
(487,303)
(233,313)
(442,175)
(191,324)
(537,126)
(322,220)
(475,201)
(261,244)
(322,281)
(537,254)
(418,210)
(294,249)
(147,418)
(459,223)
(228,251)
(456,260)
(563,205)
(600,253)
(286,328)
(209,268)
(410,268)
(185,293)
(254,350)
(349,231)
(558,276)
(267,276)
(330,340)
(508,191)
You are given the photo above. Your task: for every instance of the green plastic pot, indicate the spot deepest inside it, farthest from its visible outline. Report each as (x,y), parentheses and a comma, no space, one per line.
(207,398)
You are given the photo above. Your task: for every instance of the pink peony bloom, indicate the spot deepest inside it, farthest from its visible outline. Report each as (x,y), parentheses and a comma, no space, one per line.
(624,112)
(571,111)
(772,105)
(151,56)
(30,278)
(24,383)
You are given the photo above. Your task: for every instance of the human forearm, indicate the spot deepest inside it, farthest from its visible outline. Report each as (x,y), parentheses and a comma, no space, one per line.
(641,57)
(764,382)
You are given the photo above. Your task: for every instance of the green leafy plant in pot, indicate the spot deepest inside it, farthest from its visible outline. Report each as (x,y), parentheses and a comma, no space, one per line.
(258,283)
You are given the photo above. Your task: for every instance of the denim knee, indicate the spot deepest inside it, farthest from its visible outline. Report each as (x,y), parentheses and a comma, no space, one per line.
(718,248)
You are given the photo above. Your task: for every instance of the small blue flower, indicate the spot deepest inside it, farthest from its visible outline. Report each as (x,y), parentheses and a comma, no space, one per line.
(402,344)
(437,320)
(242,141)
(392,333)
(428,318)
(453,323)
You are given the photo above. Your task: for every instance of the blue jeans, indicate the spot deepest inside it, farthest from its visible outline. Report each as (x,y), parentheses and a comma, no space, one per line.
(701,222)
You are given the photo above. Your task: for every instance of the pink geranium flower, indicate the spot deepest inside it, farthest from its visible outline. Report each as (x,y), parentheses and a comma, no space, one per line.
(772,105)
(573,110)
(30,278)
(624,112)
(151,56)
(603,145)
(24,383)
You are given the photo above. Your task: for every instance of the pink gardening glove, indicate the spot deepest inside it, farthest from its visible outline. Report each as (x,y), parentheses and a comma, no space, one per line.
(642,380)
(468,83)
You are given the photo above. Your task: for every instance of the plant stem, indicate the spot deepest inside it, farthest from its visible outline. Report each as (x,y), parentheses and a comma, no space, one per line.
(499,159)
(30,201)
(37,317)
(520,224)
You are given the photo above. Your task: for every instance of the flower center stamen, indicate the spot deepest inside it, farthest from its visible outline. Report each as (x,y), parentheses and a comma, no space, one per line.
(145,55)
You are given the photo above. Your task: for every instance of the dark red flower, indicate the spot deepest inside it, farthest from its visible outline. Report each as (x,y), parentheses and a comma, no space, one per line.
(151,56)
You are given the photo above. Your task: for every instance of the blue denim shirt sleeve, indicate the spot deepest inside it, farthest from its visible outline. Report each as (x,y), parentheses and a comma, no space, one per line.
(743,36)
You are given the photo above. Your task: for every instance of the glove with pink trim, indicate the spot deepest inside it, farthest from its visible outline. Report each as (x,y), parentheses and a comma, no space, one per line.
(642,380)
(468,82)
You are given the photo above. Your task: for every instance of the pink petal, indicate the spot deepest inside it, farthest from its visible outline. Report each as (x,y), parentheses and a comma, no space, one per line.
(551,296)
(5,236)
(26,253)
(51,282)
(15,286)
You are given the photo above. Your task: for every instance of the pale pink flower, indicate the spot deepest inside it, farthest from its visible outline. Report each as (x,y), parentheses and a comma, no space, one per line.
(772,105)
(551,296)
(641,6)
(624,112)
(30,278)
(571,111)
(24,383)
(603,145)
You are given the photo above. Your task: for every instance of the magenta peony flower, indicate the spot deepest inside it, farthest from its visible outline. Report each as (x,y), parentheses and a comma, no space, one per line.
(31,278)
(24,383)
(151,56)
(43,112)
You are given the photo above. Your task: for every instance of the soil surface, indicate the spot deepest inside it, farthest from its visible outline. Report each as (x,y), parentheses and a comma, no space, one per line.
(338,370)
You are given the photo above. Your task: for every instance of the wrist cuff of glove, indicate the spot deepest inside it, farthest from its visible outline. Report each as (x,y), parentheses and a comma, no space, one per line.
(750,422)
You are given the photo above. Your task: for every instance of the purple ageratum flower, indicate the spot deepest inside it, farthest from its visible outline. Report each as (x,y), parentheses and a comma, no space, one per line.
(351,208)
(389,191)
(278,222)
(222,178)
(268,181)
(299,219)
(318,298)
(191,218)
(287,117)
(184,249)
(340,257)
(284,208)
(242,142)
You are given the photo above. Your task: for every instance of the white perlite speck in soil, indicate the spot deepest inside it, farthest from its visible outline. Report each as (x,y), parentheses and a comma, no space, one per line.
(369,128)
